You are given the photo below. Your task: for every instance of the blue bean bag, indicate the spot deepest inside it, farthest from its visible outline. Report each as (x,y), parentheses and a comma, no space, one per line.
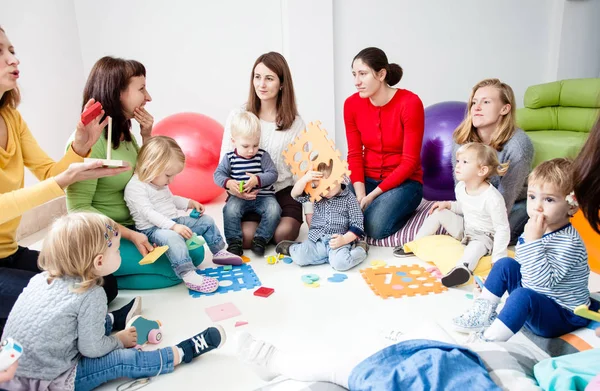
(132,275)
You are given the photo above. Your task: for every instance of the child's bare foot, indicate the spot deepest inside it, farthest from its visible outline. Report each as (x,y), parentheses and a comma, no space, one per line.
(128,337)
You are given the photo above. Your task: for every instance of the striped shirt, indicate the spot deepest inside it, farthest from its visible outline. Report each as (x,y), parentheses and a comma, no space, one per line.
(336,215)
(235,167)
(556,266)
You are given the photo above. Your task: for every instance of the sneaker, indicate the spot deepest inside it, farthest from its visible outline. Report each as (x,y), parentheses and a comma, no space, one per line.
(210,339)
(457,276)
(200,283)
(400,253)
(283,247)
(258,354)
(123,315)
(481,314)
(224,257)
(364,245)
(258,246)
(235,247)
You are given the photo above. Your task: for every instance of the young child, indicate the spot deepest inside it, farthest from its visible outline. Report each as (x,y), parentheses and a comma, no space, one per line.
(478,217)
(336,224)
(155,212)
(253,169)
(549,277)
(62,323)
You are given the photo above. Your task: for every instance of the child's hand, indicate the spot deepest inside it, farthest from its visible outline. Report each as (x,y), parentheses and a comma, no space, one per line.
(535,227)
(440,205)
(196,205)
(311,176)
(336,241)
(182,230)
(233,187)
(128,337)
(250,183)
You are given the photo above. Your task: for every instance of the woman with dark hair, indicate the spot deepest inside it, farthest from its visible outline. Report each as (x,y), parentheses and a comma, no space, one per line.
(123,101)
(271,98)
(384,128)
(18,149)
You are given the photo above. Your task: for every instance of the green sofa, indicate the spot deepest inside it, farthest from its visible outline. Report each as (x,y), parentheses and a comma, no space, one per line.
(558,116)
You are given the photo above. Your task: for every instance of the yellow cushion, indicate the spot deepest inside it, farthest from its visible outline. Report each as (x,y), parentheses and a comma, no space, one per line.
(444,252)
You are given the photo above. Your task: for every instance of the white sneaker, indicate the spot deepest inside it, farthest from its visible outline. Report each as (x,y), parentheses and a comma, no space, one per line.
(481,314)
(256,353)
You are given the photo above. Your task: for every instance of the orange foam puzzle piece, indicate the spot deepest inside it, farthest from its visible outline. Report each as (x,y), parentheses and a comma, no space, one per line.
(400,281)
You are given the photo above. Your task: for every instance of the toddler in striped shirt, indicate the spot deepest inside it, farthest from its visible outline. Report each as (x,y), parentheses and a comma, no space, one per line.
(549,276)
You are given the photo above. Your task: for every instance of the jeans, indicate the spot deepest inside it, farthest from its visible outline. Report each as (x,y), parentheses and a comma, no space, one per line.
(128,363)
(517,218)
(178,253)
(267,207)
(542,315)
(392,209)
(341,259)
(15,272)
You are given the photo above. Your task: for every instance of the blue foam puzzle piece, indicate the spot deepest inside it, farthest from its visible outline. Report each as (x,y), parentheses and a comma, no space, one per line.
(240,277)
(338,277)
(287,260)
(401,274)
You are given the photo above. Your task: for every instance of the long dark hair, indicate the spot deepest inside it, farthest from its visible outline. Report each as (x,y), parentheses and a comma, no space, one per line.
(586,169)
(10,98)
(286,99)
(376,59)
(108,78)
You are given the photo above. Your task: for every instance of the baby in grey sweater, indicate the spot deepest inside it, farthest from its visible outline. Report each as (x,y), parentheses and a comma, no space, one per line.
(61,317)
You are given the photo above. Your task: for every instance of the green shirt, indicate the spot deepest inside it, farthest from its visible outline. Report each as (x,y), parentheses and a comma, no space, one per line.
(105,195)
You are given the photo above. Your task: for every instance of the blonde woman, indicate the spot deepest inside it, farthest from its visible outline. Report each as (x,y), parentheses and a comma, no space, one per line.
(71,346)
(155,212)
(491,120)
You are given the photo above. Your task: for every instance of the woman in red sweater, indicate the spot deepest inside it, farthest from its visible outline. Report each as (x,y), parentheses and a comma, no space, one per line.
(384,128)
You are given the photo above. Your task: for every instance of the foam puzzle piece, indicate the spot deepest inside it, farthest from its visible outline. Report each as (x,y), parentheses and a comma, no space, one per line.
(287,260)
(240,323)
(302,158)
(245,259)
(385,282)
(263,291)
(153,255)
(309,278)
(238,278)
(312,285)
(222,312)
(195,242)
(338,277)
(376,264)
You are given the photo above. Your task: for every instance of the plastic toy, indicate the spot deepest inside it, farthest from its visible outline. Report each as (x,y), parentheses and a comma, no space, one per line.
(479,281)
(241,186)
(312,147)
(195,242)
(245,259)
(585,312)
(154,255)
(376,264)
(222,312)
(338,277)
(148,331)
(398,281)
(264,291)
(108,162)
(195,214)
(240,323)
(287,260)
(199,136)
(227,267)
(272,259)
(238,278)
(10,351)
(91,113)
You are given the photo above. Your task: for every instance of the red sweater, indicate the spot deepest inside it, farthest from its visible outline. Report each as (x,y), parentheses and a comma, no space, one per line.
(384,142)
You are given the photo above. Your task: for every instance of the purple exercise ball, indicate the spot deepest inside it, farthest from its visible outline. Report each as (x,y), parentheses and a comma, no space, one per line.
(441,119)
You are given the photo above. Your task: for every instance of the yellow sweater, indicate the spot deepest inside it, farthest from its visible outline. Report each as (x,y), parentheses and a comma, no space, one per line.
(23,151)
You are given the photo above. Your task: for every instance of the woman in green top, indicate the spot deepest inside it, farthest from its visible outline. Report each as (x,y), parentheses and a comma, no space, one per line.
(120,85)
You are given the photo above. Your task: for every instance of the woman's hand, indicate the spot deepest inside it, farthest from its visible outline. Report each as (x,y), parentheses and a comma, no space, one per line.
(87,135)
(140,241)
(368,199)
(145,120)
(84,171)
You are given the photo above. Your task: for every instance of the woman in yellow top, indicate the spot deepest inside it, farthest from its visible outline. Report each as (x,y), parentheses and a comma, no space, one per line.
(18,149)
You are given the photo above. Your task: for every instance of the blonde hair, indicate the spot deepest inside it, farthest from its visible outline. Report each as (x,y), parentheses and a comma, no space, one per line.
(245,124)
(156,156)
(557,172)
(10,98)
(73,243)
(486,157)
(466,132)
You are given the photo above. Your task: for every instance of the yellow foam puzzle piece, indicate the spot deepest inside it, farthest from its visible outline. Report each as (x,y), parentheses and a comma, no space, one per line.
(154,255)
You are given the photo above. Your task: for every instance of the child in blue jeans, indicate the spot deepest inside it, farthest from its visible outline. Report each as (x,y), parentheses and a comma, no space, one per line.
(61,317)
(549,276)
(248,169)
(336,224)
(157,213)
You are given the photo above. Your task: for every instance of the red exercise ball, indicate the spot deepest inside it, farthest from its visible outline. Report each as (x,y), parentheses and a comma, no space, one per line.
(200,138)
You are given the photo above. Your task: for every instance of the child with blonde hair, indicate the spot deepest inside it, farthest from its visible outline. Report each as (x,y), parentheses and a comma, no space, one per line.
(549,276)
(477,218)
(249,170)
(156,212)
(61,317)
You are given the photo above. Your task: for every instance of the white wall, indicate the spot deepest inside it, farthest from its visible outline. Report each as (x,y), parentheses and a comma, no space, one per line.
(46,41)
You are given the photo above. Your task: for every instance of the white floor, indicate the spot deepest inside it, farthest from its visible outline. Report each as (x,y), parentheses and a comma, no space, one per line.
(341,316)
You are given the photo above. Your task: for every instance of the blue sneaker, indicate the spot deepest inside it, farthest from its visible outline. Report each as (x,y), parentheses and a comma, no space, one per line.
(480,315)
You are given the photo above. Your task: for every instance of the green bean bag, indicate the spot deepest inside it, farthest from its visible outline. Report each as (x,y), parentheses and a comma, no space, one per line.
(132,275)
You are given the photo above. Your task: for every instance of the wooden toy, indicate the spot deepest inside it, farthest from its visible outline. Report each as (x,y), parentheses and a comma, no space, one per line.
(154,255)
(91,112)
(148,331)
(399,281)
(108,162)
(312,147)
